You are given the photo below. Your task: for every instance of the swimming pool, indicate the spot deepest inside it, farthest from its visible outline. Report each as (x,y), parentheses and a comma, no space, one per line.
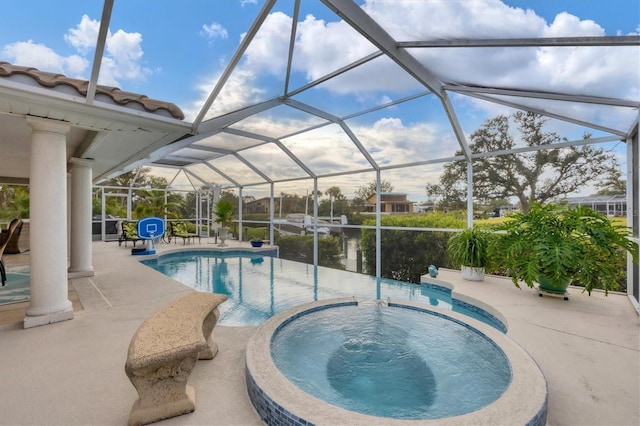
(260,285)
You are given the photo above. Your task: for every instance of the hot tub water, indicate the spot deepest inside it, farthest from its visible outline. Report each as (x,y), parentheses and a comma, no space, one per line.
(391,362)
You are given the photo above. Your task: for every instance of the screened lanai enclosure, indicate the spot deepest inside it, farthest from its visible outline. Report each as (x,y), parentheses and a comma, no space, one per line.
(266,101)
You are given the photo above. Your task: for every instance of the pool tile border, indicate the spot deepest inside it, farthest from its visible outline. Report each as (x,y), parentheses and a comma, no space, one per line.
(266,384)
(454,300)
(231,251)
(492,319)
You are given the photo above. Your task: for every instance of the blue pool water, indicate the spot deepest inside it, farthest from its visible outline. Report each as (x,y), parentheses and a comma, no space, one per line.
(259,286)
(364,358)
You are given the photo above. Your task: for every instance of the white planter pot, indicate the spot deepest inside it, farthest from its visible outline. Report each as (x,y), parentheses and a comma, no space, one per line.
(472,274)
(223,235)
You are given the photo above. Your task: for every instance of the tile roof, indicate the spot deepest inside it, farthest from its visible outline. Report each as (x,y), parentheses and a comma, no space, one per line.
(51,80)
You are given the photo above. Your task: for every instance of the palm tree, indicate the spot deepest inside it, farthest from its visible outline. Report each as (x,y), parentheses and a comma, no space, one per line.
(153,203)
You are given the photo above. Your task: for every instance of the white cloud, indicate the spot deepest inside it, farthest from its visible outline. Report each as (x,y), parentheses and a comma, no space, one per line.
(239,91)
(75,65)
(268,50)
(84,36)
(327,150)
(388,124)
(122,60)
(384,99)
(322,47)
(393,142)
(415,20)
(325,46)
(214,31)
(565,23)
(45,59)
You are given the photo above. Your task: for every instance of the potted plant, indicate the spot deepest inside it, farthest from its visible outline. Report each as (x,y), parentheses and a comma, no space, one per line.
(224,215)
(556,246)
(256,242)
(469,249)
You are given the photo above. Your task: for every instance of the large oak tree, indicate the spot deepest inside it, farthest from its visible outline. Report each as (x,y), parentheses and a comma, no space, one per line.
(541,175)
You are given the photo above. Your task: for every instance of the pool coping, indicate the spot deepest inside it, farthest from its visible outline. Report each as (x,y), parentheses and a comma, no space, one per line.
(460,297)
(524,402)
(215,249)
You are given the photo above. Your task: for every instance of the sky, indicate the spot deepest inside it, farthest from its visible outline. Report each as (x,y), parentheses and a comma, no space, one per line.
(176,50)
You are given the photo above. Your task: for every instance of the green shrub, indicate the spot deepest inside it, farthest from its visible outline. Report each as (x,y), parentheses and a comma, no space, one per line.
(256,234)
(406,255)
(356,219)
(300,249)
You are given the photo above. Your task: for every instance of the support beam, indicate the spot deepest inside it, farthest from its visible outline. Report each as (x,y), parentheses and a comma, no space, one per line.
(235,59)
(378,229)
(315,222)
(633,218)
(469,194)
(271,214)
(527,42)
(538,94)
(99,52)
(358,19)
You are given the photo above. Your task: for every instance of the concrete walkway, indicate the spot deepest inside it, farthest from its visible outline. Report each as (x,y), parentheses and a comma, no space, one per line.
(72,373)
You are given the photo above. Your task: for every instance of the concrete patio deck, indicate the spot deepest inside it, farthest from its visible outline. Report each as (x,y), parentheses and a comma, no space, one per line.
(72,372)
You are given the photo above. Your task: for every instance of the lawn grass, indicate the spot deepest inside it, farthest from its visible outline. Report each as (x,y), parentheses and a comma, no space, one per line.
(493,221)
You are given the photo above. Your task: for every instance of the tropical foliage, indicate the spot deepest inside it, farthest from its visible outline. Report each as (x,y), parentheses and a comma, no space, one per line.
(223,211)
(469,247)
(152,203)
(577,245)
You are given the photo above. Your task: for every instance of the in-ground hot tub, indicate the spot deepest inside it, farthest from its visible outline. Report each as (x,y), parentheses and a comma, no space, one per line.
(344,361)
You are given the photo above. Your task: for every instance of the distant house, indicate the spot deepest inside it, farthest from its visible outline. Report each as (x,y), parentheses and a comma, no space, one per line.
(611,205)
(261,205)
(390,202)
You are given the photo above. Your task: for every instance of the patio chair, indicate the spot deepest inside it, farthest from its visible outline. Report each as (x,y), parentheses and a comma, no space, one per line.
(129,233)
(15,223)
(178,229)
(16,243)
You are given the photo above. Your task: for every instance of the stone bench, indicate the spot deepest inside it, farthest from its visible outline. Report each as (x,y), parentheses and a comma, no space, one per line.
(164,350)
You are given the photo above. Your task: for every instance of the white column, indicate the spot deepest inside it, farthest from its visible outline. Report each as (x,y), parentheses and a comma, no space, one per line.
(68,212)
(80,253)
(48,210)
